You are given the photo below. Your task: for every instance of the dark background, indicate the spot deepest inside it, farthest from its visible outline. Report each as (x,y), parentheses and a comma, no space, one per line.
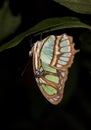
(21,102)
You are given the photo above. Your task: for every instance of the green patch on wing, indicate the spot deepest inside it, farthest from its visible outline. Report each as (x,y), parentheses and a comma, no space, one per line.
(64,58)
(48,89)
(46,58)
(63,62)
(65,49)
(46,67)
(47,50)
(67,54)
(63,43)
(52,78)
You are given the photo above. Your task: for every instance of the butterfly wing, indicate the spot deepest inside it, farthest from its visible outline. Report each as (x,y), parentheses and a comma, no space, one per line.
(51,59)
(63,52)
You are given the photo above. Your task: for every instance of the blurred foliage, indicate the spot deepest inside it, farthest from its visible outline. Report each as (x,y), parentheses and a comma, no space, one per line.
(78,6)
(51,24)
(8,22)
(47,25)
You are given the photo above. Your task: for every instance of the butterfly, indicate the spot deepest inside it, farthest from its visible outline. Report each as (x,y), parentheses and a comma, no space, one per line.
(52,57)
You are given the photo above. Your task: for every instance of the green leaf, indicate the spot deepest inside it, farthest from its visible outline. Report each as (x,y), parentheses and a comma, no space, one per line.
(79,6)
(47,25)
(8,22)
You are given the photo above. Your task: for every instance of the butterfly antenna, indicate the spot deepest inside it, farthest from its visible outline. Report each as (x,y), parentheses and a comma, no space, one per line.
(41,36)
(25,68)
(31,43)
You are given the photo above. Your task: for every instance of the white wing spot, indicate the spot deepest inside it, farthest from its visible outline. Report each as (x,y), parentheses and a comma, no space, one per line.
(64,37)
(69,49)
(57,97)
(62,81)
(67,42)
(60,88)
(63,74)
(51,100)
(58,65)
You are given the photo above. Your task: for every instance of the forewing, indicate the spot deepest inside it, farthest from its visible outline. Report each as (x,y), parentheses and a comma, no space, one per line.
(63,52)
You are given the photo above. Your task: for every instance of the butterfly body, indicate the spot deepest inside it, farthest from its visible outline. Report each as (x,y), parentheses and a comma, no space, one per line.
(51,59)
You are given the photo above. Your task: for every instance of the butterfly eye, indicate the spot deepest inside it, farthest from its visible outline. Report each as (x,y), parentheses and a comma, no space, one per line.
(51,59)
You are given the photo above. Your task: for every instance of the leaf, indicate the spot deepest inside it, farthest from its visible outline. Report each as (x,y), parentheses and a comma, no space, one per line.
(8,22)
(46,25)
(79,6)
